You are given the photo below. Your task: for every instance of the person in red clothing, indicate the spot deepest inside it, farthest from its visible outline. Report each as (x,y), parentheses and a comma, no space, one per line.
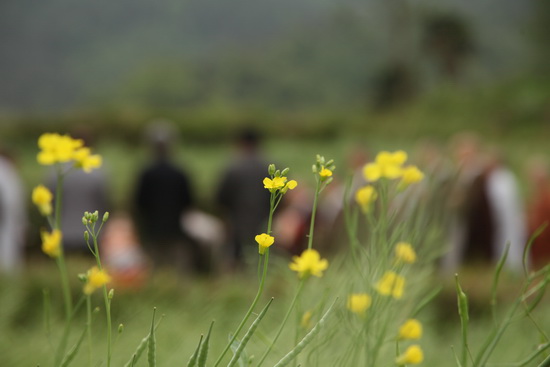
(539,212)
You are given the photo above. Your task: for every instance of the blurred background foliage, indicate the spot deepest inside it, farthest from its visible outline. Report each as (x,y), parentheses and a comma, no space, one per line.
(296,68)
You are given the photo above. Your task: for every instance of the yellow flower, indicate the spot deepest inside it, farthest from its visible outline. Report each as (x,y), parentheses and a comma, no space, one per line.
(411,329)
(85,160)
(95,279)
(42,198)
(411,174)
(359,303)
(412,355)
(325,173)
(51,243)
(274,184)
(365,196)
(57,148)
(309,263)
(404,252)
(290,185)
(306,320)
(386,165)
(264,241)
(391,284)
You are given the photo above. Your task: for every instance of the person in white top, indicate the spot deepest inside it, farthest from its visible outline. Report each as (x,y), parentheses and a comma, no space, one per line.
(12,218)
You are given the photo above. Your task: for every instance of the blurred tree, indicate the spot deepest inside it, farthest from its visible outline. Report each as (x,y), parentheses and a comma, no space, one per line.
(447,38)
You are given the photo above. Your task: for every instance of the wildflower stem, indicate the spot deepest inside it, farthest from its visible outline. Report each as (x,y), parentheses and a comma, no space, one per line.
(105,298)
(313,212)
(250,309)
(61,258)
(89,327)
(285,319)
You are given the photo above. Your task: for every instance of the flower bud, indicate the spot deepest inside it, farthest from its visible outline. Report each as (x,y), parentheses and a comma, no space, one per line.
(111,294)
(277,173)
(84,221)
(314,168)
(86,236)
(105,217)
(120,328)
(285,171)
(96,216)
(271,169)
(82,277)
(86,215)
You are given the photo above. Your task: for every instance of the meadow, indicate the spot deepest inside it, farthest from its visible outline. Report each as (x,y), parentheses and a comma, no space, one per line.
(28,336)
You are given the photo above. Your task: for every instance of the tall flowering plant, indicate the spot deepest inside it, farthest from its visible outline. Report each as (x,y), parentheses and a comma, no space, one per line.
(65,154)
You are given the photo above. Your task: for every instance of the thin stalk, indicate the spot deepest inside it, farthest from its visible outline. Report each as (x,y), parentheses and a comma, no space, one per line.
(285,319)
(60,260)
(313,212)
(89,327)
(260,287)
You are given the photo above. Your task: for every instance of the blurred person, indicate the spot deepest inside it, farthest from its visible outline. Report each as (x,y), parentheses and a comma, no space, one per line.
(291,224)
(539,211)
(122,252)
(12,216)
(507,211)
(472,222)
(242,196)
(81,192)
(163,195)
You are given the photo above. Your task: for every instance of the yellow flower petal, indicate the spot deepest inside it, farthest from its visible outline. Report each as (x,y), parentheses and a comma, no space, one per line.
(412,355)
(404,252)
(372,172)
(264,241)
(51,243)
(411,329)
(391,284)
(309,263)
(359,303)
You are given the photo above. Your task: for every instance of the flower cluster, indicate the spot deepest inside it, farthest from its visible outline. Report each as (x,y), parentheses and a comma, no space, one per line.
(386,165)
(56,148)
(323,169)
(277,182)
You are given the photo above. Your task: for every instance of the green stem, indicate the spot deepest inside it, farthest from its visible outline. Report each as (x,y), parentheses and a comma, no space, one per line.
(249,312)
(61,258)
(285,319)
(105,298)
(89,327)
(313,212)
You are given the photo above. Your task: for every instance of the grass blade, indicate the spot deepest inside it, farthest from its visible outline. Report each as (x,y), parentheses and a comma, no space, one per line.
(152,343)
(306,339)
(193,360)
(73,351)
(248,335)
(203,354)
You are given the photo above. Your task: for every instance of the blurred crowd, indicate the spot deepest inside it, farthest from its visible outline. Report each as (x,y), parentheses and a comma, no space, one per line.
(470,194)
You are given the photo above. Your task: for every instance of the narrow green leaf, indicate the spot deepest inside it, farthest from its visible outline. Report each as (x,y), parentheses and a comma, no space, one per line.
(248,335)
(73,351)
(203,354)
(193,360)
(462,301)
(306,339)
(496,278)
(152,343)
